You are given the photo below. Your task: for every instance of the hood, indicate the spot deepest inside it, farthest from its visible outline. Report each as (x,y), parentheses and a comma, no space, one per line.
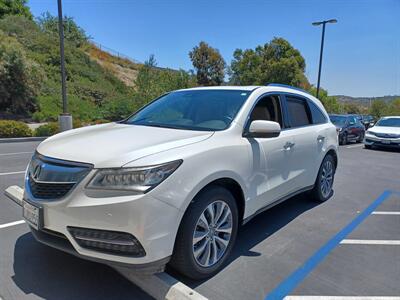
(385,129)
(114,144)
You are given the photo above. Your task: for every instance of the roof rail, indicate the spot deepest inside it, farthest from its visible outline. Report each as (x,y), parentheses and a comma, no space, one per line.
(288,86)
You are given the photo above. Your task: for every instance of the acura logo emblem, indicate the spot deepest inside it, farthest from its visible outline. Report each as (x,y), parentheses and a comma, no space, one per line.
(36,172)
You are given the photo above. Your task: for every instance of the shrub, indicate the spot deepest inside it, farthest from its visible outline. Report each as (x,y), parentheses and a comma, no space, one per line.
(11,129)
(47,129)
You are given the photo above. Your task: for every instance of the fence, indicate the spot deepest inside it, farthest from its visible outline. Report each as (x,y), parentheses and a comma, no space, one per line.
(114,52)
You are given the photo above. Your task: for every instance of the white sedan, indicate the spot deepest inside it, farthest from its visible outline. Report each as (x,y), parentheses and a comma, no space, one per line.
(386,132)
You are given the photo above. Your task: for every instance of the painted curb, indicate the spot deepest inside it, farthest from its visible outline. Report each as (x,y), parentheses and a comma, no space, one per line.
(162,286)
(23,139)
(15,193)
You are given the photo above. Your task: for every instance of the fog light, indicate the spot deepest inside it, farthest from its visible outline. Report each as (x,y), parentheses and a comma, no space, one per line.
(114,242)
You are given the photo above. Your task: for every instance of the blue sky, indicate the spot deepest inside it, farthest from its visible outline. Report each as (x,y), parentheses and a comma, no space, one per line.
(361,54)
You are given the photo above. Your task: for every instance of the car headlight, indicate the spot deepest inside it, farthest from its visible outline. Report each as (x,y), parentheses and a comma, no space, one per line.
(140,179)
(370,132)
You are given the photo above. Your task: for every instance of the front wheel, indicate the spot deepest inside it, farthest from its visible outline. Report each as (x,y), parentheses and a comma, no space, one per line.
(206,235)
(344,140)
(322,190)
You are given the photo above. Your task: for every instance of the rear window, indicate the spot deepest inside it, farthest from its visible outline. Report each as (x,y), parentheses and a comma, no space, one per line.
(317,116)
(298,112)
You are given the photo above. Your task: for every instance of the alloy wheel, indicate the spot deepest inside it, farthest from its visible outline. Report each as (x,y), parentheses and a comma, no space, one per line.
(212,233)
(326,178)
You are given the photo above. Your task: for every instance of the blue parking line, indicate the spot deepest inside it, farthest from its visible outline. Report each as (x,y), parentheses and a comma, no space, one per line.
(291,282)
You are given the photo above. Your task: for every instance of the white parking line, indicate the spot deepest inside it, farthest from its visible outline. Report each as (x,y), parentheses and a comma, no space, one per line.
(370,242)
(341,298)
(355,146)
(11,224)
(12,173)
(15,153)
(395,213)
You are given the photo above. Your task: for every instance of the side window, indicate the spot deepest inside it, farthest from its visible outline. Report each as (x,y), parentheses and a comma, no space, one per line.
(299,114)
(268,109)
(317,116)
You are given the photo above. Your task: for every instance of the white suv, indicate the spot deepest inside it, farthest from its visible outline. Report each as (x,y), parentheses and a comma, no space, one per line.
(172,183)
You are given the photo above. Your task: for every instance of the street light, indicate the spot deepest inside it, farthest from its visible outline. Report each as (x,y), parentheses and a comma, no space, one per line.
(322,47)
(65,119)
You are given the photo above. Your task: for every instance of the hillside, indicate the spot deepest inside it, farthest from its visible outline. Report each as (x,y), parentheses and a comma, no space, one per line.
(364,101)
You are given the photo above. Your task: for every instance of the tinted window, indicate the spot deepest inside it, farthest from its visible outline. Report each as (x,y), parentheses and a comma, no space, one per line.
(338,120)
(298,112)
(193,110)
(317,116)
(268,109)
(389,122)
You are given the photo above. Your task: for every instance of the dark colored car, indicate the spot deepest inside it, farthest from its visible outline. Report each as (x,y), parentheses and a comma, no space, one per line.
(349,128)
(368,121)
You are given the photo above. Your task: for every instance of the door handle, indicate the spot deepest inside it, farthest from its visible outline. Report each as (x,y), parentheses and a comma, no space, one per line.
(320,138)
(288,146)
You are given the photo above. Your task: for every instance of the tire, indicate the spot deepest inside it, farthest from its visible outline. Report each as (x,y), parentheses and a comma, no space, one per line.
(360,138)
(344,140)
(183,258)
(318,193)
(367,146)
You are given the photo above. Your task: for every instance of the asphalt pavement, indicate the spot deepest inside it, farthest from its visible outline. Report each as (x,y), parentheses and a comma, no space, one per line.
(348,246)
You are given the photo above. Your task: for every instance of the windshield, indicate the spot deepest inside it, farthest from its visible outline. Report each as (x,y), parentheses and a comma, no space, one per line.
(389,122)
(208,110)
(338,120)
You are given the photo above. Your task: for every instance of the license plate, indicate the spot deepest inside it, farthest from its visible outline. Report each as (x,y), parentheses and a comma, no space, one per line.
(385,141)
(31,214)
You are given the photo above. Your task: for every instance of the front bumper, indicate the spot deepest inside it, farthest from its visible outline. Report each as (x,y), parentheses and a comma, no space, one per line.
(372,140)
(152,222)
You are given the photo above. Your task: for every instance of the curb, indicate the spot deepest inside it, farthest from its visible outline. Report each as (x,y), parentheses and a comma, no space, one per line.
(162,286)
(23,139)
(15,193)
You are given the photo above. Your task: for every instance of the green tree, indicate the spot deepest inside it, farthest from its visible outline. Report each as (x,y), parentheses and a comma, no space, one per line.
(14,7)
(273,62)
(20,78)
(151,82)
(72,32)
(330,103)
(352,108)
(378,108)
(209,64)
(394,108)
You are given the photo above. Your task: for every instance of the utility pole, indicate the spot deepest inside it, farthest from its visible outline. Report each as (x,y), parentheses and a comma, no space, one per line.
(323,23)
(65,119)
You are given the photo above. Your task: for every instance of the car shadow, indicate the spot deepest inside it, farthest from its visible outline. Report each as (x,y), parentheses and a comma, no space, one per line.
(51,274)
(260,228)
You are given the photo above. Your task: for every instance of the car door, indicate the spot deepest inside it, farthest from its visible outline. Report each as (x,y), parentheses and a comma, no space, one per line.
(272,158)
(310,140)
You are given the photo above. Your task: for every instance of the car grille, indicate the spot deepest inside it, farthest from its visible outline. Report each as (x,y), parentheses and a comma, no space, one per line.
(49,190)
(387,135)
(51,179)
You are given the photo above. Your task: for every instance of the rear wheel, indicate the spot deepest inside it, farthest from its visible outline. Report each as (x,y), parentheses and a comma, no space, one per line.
(322,190)
(206,235)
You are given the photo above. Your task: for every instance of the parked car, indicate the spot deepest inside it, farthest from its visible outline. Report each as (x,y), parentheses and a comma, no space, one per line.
(349,128)
(386,132)
(173,182)
(368,121)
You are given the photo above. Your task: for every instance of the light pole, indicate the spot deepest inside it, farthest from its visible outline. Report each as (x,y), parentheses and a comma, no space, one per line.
(322,47)
(65,119)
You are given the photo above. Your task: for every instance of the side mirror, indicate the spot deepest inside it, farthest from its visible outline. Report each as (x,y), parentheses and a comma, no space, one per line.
(371,124)
(263,129)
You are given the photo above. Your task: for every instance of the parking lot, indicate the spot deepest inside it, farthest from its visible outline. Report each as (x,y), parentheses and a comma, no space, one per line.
(348,246)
